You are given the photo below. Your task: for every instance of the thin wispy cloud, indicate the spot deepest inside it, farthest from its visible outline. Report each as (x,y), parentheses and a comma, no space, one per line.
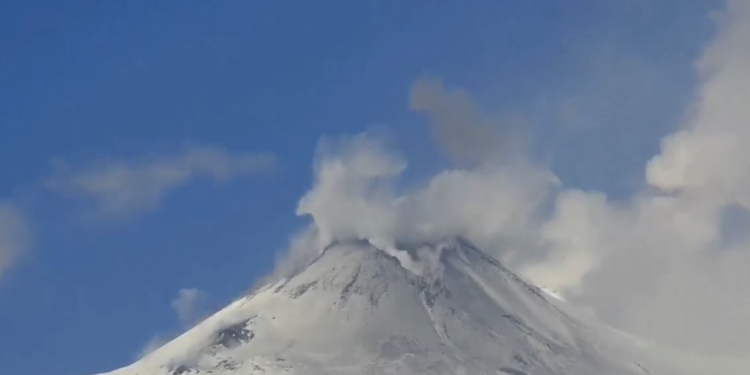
(189,307)
(189,304)
(122,188)
(14,235)
(155,342)
(669,264)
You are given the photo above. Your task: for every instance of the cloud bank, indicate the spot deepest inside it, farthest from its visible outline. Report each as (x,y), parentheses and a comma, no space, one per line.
(670,263)
(665,265)
(123,188)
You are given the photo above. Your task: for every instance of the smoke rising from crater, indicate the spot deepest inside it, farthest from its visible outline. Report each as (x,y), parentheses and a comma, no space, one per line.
(660,263)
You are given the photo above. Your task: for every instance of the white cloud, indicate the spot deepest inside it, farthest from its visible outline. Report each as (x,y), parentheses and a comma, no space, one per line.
(356,192)
(575,244)
(14,235)
(189,304)
(661,265)
(123,188)
(709,156)
(355,195)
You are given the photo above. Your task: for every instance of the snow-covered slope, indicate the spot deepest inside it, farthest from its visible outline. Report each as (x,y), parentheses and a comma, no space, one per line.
(443,308)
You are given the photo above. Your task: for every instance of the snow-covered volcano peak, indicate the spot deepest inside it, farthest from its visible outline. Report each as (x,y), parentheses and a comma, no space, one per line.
(423,258)
(431,308)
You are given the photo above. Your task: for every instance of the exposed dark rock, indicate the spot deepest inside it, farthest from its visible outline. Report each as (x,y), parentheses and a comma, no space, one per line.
(302,289)
(512,371)
(181,369)
(234,335)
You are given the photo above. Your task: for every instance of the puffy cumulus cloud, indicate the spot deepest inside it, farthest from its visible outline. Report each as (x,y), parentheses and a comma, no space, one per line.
(123,188)
(709,156)
(14,235)
(497,206)
(575,244)
(189,304)
(356,195)
(352,195)
(668,264)
(154,343)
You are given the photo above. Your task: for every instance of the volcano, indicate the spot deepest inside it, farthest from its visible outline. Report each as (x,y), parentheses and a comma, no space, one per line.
(434,308)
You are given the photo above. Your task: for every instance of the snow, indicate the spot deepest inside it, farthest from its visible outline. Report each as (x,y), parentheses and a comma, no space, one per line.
(444,308)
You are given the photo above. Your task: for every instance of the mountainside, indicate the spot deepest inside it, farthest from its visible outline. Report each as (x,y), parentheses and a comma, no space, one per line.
(444,308)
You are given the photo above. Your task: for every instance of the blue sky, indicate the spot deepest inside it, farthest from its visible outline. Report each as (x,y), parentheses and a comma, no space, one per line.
(251,87)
